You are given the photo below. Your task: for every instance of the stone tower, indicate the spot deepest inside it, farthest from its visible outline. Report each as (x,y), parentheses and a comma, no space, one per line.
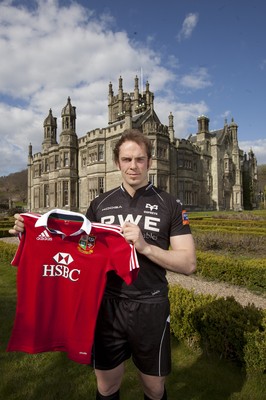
(53,173)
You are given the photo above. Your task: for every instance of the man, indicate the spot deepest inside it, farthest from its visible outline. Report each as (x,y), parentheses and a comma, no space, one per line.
(134,320)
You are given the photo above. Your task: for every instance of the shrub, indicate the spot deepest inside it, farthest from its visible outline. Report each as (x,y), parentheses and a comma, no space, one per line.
(183,305)
(220,326)
(7,251)
(255,349)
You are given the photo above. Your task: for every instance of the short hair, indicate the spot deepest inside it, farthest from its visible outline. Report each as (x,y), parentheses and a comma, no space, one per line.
(133,135)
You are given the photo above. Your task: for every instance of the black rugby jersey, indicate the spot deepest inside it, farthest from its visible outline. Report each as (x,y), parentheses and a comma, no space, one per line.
(159,216)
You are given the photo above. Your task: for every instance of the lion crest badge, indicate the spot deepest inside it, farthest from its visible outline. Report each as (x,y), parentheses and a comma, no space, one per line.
(87,244)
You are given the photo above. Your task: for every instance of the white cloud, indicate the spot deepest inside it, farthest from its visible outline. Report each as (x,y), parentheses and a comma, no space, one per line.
(49,53)
(173,61)
(188,26)
(185,115)
(17,125)
(197,79)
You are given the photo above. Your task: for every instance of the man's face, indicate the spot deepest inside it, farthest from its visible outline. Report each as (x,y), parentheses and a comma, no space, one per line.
(134,165)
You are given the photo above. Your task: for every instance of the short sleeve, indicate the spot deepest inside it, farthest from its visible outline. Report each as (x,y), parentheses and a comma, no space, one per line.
(180,221)
(123,258)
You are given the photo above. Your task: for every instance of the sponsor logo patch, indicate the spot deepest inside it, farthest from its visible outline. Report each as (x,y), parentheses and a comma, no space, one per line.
(63,258)
(44,236)
(185,219)
(151,207)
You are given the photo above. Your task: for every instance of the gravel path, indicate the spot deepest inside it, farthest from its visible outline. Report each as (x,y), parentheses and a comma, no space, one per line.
(220,289)
(12,239)
(199,285)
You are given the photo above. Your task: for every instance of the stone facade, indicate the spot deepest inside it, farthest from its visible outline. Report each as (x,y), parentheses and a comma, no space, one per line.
(207,171)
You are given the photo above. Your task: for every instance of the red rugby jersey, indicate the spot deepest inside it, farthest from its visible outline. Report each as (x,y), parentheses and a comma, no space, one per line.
(63,260)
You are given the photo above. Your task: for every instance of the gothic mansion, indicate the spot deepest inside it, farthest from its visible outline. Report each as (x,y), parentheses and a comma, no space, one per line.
(207,171)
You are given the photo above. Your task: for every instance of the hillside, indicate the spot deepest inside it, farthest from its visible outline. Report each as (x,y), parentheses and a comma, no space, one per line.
(14,188)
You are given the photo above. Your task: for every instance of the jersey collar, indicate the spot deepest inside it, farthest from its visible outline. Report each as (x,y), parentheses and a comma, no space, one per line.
(138,191)
(43,221)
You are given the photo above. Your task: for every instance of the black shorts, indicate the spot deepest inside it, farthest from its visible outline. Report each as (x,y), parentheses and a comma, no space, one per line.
(137,328)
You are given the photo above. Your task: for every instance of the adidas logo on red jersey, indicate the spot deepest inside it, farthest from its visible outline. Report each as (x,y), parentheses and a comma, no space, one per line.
(44,236)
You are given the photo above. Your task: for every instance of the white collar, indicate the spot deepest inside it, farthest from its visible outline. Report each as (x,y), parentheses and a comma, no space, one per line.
(43,221)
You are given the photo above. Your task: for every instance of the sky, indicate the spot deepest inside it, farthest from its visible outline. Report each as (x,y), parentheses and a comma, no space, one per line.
(200,57)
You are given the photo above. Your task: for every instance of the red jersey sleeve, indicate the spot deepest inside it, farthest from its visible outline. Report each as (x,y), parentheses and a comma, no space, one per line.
(123,258)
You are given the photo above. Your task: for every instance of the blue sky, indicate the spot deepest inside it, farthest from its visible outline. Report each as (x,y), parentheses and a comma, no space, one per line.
(199,56)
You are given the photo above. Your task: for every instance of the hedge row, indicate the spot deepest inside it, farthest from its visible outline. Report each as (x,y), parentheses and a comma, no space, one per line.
(254,215)
(228,222)
(231,230)
(250,245)
(5,224)
(220,326)
(4,232)
(250,273)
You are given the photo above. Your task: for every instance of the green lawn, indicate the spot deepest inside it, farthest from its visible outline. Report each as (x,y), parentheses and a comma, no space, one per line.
(53,376)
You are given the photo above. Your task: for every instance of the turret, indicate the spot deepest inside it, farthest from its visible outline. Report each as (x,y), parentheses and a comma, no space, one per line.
(68,136)
(110,102)
(128,113)
(171,127)
(120,96)
(203,124)
(30,151)
(233,128)
(50,127)
(136,93)
(68,115)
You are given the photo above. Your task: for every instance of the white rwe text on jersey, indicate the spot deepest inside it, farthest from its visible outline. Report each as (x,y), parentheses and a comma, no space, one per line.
(150,223)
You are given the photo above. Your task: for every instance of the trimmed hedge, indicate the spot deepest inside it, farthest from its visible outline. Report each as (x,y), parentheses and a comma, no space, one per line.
(250,273)
(231,243)
(5,233)
(231,223)
(7,251)
(229,230)
(220,326)
(5,224)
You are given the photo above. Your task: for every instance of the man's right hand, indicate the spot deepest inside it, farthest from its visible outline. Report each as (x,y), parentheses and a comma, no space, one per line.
(18,225)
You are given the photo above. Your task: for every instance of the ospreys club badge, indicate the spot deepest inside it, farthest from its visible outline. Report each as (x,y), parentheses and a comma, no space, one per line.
(86,244)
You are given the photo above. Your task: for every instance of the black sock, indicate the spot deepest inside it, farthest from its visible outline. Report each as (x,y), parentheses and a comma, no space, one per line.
(164,395)
(163,398)
(114,396)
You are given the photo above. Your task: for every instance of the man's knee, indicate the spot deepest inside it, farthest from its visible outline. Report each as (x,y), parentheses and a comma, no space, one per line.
(162,398)
(153,386)
(114,396)
(109,382)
